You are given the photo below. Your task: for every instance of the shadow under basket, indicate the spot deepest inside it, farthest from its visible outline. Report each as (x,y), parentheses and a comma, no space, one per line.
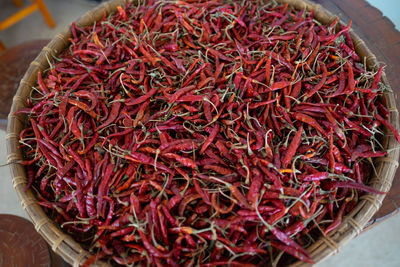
(73,253)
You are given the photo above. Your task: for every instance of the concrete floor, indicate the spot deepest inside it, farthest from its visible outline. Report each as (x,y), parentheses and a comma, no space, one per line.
(379,246)
(34,27)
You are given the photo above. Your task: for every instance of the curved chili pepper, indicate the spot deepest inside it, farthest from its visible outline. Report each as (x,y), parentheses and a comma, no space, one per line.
(292,251)
(318,86)
(113,113)
(291,151)
(311,121)
(213,133)
(103,188)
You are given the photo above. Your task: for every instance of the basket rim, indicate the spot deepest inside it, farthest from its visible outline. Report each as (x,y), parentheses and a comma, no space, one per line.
(73,253)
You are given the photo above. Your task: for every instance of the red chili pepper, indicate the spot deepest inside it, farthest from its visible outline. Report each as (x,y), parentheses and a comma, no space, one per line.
(291,151)
(279,59)
(218,208)
(154,252)
(348,184)
(350,80)
(103,188)
(321,83)
(389,126)
(187,162)
(291,246)
(180,92)
(338,219)
(42,85)
(113,114)
(219,169)
(213,133)
(148,56)
(82,106)
(313,56)
(292,251)
(279,85)
(141,99)
(239,196)
(316,176)
(310,121)
(72,122)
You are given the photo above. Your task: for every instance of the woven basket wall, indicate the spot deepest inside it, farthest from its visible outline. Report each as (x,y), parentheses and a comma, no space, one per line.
(74,254)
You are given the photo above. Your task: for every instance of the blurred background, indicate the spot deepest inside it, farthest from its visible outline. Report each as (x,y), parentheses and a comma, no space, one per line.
(379,246)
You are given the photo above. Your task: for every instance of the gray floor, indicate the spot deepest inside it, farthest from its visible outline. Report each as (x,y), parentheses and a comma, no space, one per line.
(377,247)
(34,27)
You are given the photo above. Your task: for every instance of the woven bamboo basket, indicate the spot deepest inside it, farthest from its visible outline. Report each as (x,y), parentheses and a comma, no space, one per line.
(73,253)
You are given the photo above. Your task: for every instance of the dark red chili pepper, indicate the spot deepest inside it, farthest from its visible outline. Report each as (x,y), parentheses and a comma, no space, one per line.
(338,219)
(210,138)
(154,252)
(291,246)
(279,59)
(291,151)
(310,121)
(348,184)
(103,188)
(318,86)
(389,126)
(350,80)
(113,113)
(316,176)
(141,99)
(187,162)
(72,122)
(42,85)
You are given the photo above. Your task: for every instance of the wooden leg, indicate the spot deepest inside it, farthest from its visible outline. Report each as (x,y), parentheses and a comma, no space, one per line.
(18,3)
(2,46)
(45,12)
(21,14)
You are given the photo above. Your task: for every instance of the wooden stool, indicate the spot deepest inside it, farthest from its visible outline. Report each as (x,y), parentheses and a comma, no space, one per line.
(23,13)
(20,244)
(14,62)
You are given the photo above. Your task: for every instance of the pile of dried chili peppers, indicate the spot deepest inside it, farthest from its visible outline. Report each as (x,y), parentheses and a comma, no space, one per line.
(183,133)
